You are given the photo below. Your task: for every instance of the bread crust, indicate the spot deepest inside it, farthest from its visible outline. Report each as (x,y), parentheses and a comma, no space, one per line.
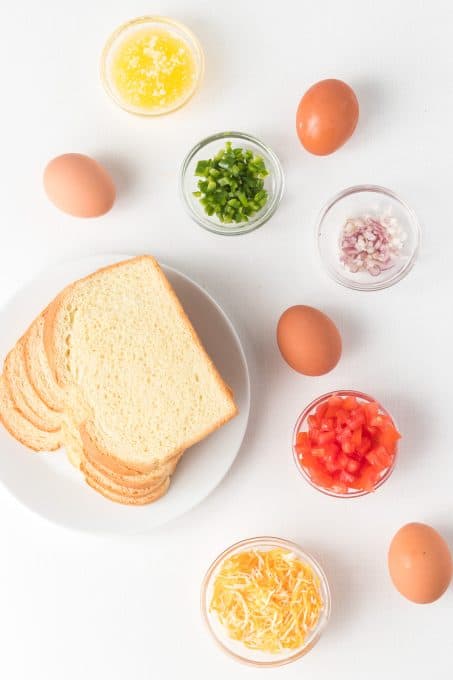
(129,500)
(131,479)
(27,400)
(36,334)
(26,433)
(118,487)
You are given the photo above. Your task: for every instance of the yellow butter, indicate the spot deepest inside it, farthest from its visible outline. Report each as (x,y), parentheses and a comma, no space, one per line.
(153,70)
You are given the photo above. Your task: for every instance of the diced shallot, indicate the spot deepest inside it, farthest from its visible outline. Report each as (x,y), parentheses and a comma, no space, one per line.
(372,245)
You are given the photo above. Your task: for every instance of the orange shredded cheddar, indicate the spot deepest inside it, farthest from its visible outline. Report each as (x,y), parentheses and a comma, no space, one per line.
(268,600)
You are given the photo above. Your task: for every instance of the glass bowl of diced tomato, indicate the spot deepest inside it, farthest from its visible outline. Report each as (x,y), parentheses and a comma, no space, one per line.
(345,444)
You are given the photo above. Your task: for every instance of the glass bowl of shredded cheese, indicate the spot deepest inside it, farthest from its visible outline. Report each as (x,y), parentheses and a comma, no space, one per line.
(265,601)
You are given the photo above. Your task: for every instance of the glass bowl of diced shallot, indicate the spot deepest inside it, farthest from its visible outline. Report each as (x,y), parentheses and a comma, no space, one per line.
(368,238)
(345,444)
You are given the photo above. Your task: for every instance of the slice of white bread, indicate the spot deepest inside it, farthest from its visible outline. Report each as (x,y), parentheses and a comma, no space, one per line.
(133,481)
(129,500)
(133,369)
(37,364)
(22,429)
(43,382)
(25,397)
(72,442)
(91,473)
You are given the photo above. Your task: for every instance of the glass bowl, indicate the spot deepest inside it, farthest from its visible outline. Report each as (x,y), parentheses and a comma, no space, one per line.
(236,649)
(207,148)
(174,28)
(302,426)
(359,201)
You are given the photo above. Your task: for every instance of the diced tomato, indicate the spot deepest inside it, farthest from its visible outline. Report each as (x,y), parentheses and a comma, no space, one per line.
(342,417)
(349,444)
(368,478)
(388,438)
(321,410)
(356,438)
(320,476)
(302,442)
(347,447)
(314,434)
(327,424)
(342,460)
(353,466)
(350,403)
(326,438)
(356,420)
(332,450)
(318,453)
(302,437)
(379,458)
(346,477)
(365,446)
(371,411)
(313,421)
(334,403)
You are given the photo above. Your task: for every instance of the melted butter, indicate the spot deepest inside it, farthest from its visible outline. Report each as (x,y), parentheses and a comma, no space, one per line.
(153,70)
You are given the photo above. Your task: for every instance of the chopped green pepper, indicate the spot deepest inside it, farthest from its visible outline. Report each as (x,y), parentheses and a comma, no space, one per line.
(231,185)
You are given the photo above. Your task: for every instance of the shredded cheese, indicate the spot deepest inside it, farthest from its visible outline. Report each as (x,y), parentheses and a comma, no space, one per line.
(269,601)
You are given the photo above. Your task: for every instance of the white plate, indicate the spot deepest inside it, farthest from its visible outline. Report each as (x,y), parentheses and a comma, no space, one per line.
(47,484)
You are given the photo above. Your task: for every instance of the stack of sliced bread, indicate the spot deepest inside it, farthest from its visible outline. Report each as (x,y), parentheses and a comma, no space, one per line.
(113,371)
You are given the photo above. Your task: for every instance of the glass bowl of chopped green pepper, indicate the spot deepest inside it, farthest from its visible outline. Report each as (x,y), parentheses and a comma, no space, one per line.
(231,183)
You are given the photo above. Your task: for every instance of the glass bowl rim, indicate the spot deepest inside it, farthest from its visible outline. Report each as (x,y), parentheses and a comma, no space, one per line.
(415,225)
(262,217)
(271,541)
(304,415)
(147,19)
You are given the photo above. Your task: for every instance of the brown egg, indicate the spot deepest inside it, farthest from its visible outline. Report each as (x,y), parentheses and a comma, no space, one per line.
(308,340)
(327,116)
(420,563)
(79,185)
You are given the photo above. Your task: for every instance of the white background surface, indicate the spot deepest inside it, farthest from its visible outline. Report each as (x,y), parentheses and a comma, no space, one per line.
(76,606)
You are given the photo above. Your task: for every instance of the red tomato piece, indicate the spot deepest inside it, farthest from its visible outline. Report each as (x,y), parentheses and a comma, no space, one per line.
(321,410)
(342,460)
(347,447)
(333,404)
(356,438)
(342,416)
(328,424)
(346,477)
(318,453)
(326,438)
(350,403)
(371,411)
(356,420)
(313,421)
(388,438)
(365,446)
(368,478)
(353,466)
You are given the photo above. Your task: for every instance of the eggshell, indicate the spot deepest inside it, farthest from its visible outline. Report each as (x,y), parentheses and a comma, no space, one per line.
(308,340)
(420,563)
(79,185)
